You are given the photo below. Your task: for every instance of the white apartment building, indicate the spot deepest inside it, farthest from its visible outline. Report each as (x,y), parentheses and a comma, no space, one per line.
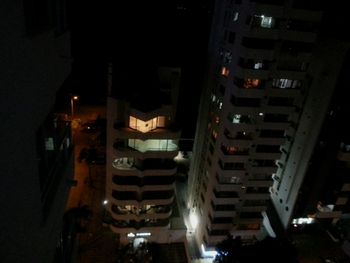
(259,57)
(142,141)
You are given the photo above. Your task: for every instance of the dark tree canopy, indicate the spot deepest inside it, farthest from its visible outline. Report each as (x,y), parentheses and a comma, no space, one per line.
(233,250)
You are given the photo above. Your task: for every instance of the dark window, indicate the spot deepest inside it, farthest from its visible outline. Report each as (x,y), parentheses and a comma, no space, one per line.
(280,101)
(231,37)
(271,117)
(294,47)
(267,149)
(231,166)
(245,102)
(272,133)
(258,43)
(222,90)
(263,163)
(304,26)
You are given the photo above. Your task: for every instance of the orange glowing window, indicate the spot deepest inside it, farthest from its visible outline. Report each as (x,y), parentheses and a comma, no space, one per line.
(143,126)
(225,71)
(231,150)
(251,83)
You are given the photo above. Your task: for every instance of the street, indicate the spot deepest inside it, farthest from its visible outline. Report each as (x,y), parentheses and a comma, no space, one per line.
(96,243)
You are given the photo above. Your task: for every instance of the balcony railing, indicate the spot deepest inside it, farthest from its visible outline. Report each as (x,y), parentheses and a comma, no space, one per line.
(138,214)
(141,224)
(147,195)
(142,181)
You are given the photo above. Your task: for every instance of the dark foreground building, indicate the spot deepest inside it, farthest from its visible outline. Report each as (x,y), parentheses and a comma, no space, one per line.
(35,143)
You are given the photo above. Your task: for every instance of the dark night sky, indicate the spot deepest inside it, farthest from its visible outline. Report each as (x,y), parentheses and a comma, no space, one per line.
(172,33)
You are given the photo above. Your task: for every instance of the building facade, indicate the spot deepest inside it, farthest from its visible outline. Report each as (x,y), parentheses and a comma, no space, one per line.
(304,155)
(35,143)
(258,63)
(142,141)
(311,186)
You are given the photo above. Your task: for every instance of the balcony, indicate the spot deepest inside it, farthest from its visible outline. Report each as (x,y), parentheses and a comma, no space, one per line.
(270,141)
(156,212)
(243,122)
(231,173)
(122,132)
(274,121)
(151,166)
(266,155)
(257,196)
(234,151)
(225,197)
(263,166)
(250,217)
(144,198)
(247,71)
(147,183)
(221,223)
(254,206)
(223,210)
(132,225)
(142,181)
(252,53)
(145,149)
(245,102)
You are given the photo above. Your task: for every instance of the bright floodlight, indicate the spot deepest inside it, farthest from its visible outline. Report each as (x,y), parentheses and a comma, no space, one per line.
(193,220)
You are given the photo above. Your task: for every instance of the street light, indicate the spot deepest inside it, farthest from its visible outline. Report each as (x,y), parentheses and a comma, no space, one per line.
(72,99)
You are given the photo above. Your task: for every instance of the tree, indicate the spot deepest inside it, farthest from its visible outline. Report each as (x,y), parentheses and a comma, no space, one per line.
(272,250)
(229,250)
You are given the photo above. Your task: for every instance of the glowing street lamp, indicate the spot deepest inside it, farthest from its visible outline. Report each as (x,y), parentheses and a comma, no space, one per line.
(72,99)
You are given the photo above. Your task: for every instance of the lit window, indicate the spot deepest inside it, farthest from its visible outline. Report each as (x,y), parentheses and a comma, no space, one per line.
(286,83)
(231,149)
(146,126)
(235,180)
(153,145)
(236,118)
(251,83)
(131,235)
(235,16)
(266,21)
(225,71)
(145,234)
(258,65)
(227,57)
(49,145)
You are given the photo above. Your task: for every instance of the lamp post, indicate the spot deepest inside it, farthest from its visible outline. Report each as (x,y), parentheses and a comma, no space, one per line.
(72,99)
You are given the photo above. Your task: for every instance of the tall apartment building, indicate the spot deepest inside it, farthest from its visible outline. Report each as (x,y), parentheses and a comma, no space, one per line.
(142,141)
(35,143)
(311,155)
(312,185)
(258,79)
